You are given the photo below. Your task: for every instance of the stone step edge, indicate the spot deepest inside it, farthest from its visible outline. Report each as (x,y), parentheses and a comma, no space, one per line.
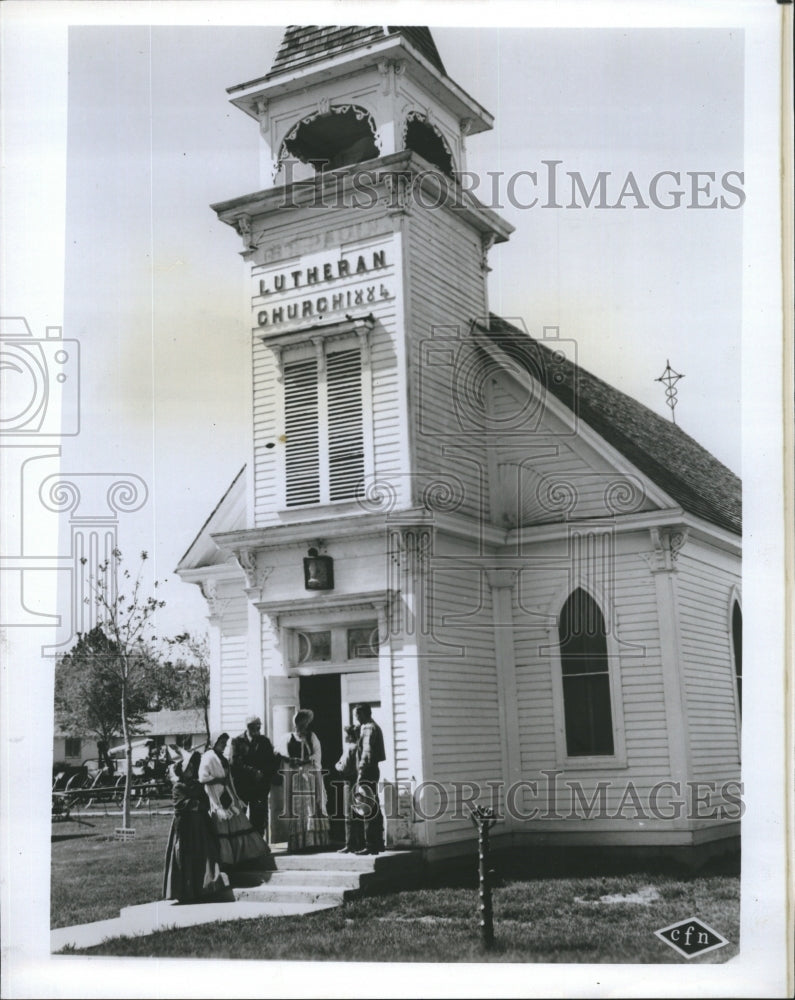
(303,887)
(298,876)
(345,862)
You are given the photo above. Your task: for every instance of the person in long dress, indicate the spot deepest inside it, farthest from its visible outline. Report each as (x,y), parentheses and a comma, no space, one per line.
(304,791)
(192,872)
(238,840)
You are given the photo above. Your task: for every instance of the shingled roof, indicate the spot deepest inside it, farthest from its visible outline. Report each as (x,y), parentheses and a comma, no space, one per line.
(305,44)
(656,446)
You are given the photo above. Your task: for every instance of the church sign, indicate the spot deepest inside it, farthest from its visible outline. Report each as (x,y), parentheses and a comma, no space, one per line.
(317,287)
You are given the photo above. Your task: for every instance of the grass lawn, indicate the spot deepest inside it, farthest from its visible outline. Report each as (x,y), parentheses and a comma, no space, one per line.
(94,876)
(538,919)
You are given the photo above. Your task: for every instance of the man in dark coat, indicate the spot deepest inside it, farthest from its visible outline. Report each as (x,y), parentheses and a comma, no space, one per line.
(369,754)
(254,764)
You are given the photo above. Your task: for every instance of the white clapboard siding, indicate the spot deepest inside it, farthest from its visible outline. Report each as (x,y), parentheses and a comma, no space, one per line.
(264,374)
(447,293)
(464,717)
(705,592)
(639,676)
(234,681)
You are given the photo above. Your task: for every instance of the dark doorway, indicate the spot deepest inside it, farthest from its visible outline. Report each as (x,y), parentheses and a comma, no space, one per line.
(321,693)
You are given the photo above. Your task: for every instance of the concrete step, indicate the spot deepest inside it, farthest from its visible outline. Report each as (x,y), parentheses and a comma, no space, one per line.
(302,876)
(387,860)
(308,895)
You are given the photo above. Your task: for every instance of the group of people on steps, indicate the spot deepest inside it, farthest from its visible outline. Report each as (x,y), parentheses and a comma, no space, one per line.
(221,802)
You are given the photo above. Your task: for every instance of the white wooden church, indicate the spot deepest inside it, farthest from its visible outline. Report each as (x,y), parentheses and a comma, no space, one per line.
(532,578)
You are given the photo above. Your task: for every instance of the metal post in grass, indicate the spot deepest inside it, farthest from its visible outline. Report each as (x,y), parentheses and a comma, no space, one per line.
(484,819)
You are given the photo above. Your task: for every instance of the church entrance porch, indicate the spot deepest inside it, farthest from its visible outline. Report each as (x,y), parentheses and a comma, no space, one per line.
(332,697)
(322,695)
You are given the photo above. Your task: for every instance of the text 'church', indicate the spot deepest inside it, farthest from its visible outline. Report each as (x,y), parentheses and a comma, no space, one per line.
(533,579)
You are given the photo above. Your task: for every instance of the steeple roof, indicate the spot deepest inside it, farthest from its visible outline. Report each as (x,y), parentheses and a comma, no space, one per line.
(305,44)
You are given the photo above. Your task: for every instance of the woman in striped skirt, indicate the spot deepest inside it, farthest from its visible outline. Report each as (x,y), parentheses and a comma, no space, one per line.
(238,840)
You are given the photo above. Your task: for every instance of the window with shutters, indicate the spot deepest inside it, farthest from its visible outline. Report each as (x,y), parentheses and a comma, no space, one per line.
(324,426)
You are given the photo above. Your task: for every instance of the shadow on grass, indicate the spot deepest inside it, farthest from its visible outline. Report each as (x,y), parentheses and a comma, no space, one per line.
(57,838)
(563,863)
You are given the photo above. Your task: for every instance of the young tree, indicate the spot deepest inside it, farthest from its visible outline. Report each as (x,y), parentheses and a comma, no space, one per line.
(191,673)
(88,691)
(127,621)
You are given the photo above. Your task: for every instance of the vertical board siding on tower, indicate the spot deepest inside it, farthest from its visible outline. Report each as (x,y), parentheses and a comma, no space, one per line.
(447,290)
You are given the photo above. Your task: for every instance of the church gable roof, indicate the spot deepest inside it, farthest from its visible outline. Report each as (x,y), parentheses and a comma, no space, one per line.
(227,515)
(305,44)
(659,448)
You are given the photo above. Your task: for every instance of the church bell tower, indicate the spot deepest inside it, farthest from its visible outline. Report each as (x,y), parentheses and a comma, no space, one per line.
(362,247)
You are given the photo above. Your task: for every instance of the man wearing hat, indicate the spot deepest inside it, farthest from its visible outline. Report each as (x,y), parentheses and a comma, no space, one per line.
(254,764)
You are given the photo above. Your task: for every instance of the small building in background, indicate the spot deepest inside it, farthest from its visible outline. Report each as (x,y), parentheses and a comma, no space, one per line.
(182,727)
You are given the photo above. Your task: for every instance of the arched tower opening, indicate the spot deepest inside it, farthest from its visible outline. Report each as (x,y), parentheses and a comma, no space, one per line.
(337,138)
(421,137)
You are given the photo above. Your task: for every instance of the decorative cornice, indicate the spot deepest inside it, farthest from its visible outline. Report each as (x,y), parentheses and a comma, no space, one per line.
(326,603)
(336,183)
(215,604)
(667,543)
(320,332)
(242,224)
(261,109)
(393,49)
(256,575)
(486,243)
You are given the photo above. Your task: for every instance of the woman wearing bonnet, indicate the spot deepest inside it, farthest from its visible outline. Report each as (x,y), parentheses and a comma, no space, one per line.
(304,791)
(191,871)
(238,840)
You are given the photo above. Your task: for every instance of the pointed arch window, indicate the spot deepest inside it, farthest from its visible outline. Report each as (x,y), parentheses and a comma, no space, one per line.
(586,677)
(737,652)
